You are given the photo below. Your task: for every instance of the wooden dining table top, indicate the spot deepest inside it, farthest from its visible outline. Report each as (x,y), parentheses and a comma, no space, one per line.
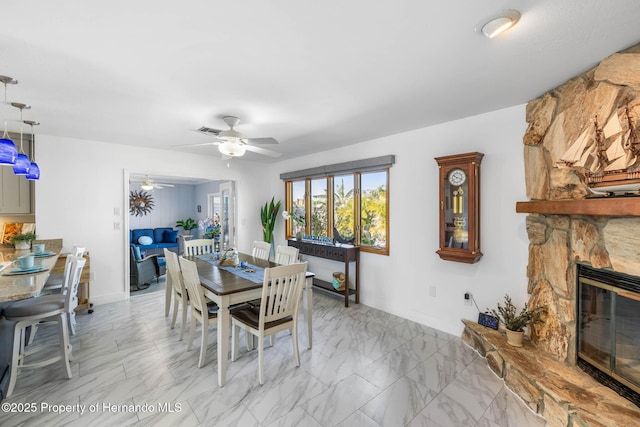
(223,282)
(23,286)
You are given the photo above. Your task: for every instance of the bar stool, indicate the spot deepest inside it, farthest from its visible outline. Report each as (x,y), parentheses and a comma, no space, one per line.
(46,308)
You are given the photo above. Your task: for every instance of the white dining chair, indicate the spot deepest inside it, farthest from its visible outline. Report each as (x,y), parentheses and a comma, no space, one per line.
(47,308)
(261,250)
(198,247)
(180,296)
(54,281)
(286,255)
(278,311)
(200,311)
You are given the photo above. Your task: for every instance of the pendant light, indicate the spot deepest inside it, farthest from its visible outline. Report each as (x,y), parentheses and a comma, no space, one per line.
(22,161)
(8,151)
(34,171)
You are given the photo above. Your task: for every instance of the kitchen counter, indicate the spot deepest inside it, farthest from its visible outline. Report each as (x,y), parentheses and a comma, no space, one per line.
(13,288)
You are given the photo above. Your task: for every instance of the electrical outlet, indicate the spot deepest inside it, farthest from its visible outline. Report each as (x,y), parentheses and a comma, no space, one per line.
(432,291)
(468,298)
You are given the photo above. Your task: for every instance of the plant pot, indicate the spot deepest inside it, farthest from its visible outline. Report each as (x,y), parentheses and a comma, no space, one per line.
(22,245)
(515,338)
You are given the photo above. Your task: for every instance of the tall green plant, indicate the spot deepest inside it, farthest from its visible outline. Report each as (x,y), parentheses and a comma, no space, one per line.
(268,216)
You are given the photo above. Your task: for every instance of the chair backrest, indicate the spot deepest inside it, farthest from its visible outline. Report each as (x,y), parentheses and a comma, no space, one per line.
(286,255)
(193,286)
(281,291)
(261,250)
(78,251)
(72,281)
(198,247)
(173,269)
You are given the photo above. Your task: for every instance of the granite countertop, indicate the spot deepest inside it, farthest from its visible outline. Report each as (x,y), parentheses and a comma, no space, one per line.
(13,288)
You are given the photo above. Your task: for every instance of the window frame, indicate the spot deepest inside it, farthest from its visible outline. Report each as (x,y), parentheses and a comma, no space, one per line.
(357,205)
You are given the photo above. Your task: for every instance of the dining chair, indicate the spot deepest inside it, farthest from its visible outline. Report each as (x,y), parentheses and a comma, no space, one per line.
(54,281)
(261,250)
(180,296)
(47,308)
(198,247)
(200,311)
(286,255)
(281,292)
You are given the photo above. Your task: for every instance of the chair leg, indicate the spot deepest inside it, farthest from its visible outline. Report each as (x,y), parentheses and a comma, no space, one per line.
(185,307)
(16,356)
(175,313)
(235,331)
(294,338)
(65,347)
(192,331)
(250,340)
(204,341)
(32,333)
(261,358)
(72,322)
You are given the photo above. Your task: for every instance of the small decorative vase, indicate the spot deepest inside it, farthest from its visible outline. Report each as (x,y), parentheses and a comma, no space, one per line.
(299,235)
(22,245)
(515,338)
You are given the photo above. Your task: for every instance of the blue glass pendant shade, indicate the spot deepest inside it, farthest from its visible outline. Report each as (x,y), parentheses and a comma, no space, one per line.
(8,152)
(34,172)
(22,164)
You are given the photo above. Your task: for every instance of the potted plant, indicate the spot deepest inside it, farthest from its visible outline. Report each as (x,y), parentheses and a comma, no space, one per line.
(268,216)
(187,224)
(23,241)
(298,219)
(515,322)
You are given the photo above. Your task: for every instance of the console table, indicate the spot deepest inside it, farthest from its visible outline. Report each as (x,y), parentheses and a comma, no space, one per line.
(341,253)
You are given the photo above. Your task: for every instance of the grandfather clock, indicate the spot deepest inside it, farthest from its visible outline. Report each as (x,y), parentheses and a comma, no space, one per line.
(460,207)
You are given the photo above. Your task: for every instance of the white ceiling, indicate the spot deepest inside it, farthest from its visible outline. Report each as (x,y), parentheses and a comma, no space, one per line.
(313,74)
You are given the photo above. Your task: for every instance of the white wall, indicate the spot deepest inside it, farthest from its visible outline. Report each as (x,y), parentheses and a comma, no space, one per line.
(81,197)
(170,205)
(399,283)
(83,182)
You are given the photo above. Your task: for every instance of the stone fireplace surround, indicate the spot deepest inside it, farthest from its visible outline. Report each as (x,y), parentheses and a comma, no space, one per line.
(565,228)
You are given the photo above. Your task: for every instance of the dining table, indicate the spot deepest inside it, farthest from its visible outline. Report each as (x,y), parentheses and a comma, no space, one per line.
(227,288)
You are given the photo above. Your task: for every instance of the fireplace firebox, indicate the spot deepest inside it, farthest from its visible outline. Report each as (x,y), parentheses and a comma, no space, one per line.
(608,334)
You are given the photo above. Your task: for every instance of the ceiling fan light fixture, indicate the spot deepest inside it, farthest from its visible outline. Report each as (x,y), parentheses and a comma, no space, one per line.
(232,149)
(146,186)
(499,23)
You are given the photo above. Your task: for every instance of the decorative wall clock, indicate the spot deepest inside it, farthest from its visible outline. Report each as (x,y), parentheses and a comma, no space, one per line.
(140,203)
(460,207)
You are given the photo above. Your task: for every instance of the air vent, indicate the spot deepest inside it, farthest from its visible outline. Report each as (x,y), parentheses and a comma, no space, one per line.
(207,130)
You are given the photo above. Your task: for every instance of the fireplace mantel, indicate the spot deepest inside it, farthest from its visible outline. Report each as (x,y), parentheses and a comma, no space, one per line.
(605,206)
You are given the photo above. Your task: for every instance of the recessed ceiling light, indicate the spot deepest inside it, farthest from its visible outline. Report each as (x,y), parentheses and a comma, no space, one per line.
(498,23)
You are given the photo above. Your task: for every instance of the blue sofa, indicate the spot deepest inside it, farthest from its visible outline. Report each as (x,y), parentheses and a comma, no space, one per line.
(162,237)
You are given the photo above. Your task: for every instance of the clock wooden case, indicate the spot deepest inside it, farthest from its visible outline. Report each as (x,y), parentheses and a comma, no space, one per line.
(460,207)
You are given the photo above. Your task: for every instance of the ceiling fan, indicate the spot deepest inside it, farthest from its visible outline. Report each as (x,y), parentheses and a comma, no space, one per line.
(232,143)
(147,184)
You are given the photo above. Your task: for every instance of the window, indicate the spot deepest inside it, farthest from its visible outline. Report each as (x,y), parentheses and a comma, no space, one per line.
(353,205)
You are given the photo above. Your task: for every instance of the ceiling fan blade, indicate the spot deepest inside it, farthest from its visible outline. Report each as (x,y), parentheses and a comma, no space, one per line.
(164,185)
(261,150)
(261,141)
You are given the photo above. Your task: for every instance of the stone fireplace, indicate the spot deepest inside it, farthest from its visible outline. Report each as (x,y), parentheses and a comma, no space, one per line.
(568,228)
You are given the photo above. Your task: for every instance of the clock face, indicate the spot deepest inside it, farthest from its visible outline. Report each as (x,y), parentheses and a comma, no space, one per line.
(457,177)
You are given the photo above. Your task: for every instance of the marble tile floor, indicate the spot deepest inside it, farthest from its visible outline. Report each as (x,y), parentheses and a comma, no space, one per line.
(366,368)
